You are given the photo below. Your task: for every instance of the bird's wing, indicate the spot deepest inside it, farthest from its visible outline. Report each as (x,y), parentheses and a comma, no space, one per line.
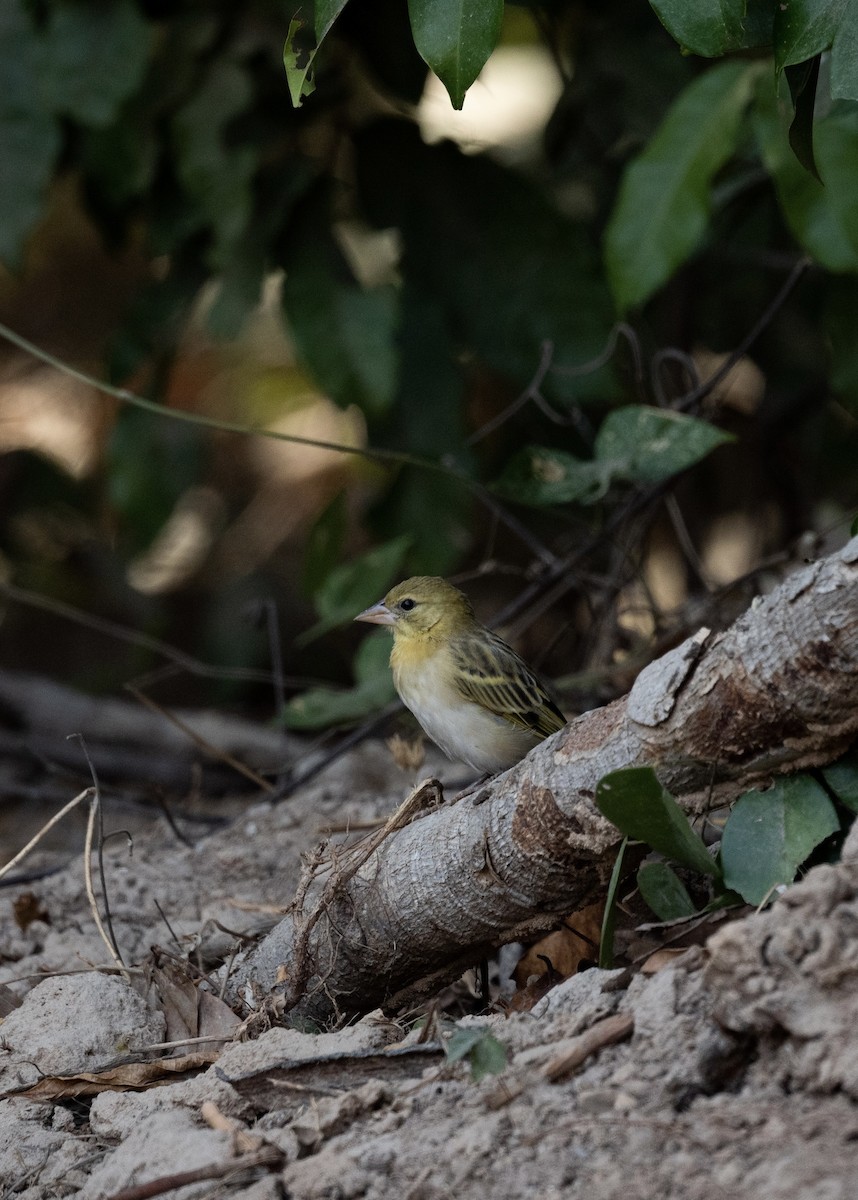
(491,674)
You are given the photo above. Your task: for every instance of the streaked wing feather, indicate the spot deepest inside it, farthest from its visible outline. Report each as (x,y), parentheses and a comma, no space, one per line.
(490,673)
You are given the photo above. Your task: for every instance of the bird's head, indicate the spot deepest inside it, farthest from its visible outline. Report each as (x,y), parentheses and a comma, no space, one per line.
(424,605)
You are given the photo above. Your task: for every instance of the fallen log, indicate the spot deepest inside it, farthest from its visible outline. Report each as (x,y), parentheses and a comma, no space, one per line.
(773,694)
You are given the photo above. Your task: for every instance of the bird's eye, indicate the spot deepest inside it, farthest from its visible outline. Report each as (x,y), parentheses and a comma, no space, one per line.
(407,605)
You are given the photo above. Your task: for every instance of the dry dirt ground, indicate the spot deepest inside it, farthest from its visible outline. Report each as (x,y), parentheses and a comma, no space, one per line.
(738,1076)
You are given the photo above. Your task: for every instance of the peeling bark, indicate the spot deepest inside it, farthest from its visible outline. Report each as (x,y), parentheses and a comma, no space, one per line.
(773,694)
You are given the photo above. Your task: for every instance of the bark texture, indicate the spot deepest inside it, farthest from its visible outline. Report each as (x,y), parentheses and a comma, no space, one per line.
(775,693)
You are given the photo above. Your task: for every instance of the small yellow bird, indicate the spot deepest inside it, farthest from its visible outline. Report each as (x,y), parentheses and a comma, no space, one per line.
(469,690)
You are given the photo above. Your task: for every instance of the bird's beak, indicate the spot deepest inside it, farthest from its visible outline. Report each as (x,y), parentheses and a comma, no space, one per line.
(378,614)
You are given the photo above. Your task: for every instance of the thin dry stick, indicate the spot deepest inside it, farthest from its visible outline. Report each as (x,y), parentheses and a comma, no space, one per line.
(269,1157)
(96,800)
(46,828)
(113,949)
(199,741)
(369,453)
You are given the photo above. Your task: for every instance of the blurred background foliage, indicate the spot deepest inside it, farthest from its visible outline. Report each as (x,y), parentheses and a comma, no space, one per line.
(437,291)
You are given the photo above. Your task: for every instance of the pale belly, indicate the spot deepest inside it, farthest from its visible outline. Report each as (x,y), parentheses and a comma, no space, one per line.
(463,730)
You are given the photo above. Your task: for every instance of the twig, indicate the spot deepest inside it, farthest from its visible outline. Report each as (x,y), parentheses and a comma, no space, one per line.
(704,389)
(96,807)
(200,742)
(292,782)
(269,1157)
(46,828)
(121,633)
(110,943)
(370,453)
(530,393)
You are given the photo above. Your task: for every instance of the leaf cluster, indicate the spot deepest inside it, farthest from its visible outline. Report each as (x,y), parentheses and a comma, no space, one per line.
(767,837)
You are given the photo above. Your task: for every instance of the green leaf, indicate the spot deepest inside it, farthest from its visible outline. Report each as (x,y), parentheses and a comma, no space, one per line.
(455,39)
(29,133)
(715,27)
(609,920)
(634,800)
(504,270)
(346,334)
(664,202)
(635,443)
(664,892)
(94,56)
(842,778)
(427,418)
(216,174)
(325,544)
(803,28)
(540,477)
(152,461)
(824,219)
(768,835)
(299,51)
(803,79)
(350,588)
(648,445)
(486,1055)
(322,707)
(326,12)
(844,56)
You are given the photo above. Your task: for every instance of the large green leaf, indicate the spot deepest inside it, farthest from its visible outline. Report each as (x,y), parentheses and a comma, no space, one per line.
(805,27)
(216,172)
(634,800)
(842,778)
(715,27)
(94,55)
(664,892)
(664,202)
(844,56)
(324,545)
(29,132)
(322,707)
(648,445)
(427,418)
(636,444)
(768,835)
(542,477)
(823,216)
(504,269)
(346,334)
(352,587)
(455,39)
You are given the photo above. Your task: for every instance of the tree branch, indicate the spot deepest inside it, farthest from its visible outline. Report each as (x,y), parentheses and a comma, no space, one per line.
(773,694)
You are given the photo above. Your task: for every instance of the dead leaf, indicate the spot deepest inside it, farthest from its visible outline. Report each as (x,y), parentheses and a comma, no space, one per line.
(135,1076)
(523,999)
(179,999)
(214,1018)
(661,959)
(564,948)
(28,908)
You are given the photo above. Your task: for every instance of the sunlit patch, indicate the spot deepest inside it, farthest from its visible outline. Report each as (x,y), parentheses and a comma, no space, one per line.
(182,544)
(53,415)
(506,109)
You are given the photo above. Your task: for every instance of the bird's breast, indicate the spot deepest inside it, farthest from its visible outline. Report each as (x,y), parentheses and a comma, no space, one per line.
(463,729)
